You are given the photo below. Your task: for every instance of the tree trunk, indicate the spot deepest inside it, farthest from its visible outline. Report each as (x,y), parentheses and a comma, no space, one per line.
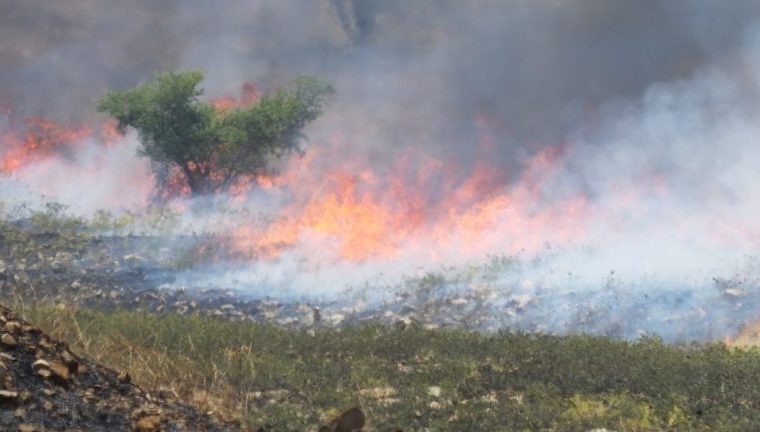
(198,181)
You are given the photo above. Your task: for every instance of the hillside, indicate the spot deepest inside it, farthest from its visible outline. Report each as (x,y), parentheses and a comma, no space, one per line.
(45,386)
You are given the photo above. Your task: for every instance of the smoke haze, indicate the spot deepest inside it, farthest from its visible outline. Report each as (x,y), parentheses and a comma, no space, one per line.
(619,137)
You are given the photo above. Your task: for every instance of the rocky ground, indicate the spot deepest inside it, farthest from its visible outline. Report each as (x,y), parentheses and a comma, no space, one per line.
(44,386)
(129,272)
(140,273)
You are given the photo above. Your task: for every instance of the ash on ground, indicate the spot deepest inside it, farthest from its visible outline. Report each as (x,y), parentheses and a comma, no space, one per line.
(112,272)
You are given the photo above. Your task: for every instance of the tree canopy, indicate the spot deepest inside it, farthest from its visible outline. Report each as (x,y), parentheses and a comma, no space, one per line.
(213,147)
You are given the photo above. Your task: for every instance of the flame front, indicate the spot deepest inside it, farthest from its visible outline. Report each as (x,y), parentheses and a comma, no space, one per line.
(417,204)
(41,139)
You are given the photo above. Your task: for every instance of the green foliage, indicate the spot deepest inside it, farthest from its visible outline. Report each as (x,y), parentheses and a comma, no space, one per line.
(54,219)
(105,221)
(214,147)
(617,411)
(25,231)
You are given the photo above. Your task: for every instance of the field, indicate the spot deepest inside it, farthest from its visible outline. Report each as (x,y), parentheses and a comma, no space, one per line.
(277,375)
(353,215)
(273,378)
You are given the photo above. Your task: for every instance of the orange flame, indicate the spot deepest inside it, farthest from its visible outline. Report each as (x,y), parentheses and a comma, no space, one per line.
(366,213)
(42,139)
(360,210)
(248,96)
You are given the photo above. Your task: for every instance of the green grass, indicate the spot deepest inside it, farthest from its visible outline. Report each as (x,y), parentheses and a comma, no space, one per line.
(295,379)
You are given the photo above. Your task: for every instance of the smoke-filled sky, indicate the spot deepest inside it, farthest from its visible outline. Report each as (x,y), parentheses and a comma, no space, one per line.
(620,135)
(535,69)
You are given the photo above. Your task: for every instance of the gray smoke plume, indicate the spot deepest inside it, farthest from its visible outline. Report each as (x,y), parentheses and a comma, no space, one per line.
(424,70)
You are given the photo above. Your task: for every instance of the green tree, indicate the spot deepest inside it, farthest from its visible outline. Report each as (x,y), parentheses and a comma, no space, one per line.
(214,147)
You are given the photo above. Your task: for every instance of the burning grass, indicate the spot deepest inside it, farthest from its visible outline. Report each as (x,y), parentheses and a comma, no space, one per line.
(413,378)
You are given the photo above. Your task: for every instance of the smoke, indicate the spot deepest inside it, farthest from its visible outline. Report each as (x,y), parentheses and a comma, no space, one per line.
(533,68)
(94,178)
(618,138)
(408,75)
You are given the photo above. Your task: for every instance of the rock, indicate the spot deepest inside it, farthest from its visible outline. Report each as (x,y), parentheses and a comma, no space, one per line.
(277,395)
(132,259)
(336,319)
(352,420)
(519,302)
(31,329)
(8,398)
(42,367)
(378,392)
(69,360)
(148,424)
(434,391)
(459,301)
(60,372)
(403,323)
(44,342)
(87,397)
(124,377)
(41,364)
(734,292)
(8,340)
(13,327)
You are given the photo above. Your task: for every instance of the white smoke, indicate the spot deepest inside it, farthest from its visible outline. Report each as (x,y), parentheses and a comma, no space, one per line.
(92,177)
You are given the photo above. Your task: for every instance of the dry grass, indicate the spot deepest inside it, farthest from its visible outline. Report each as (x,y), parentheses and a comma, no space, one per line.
(123,341)
(416,378)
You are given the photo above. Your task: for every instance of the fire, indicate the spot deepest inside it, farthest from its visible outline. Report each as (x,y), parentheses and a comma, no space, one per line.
(248,96)
(42,139)
(748,336)
(359,210)
(338,211)
(378,213)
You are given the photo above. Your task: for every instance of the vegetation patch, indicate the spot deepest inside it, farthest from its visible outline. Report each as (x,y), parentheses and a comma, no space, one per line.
(413,378)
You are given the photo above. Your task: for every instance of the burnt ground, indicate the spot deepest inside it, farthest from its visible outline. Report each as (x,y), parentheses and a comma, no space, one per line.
(139,273)
(44,386)
(142,273)
(65,392)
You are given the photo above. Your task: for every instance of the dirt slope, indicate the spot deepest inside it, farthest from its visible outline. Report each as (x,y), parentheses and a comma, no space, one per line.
(46,387)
